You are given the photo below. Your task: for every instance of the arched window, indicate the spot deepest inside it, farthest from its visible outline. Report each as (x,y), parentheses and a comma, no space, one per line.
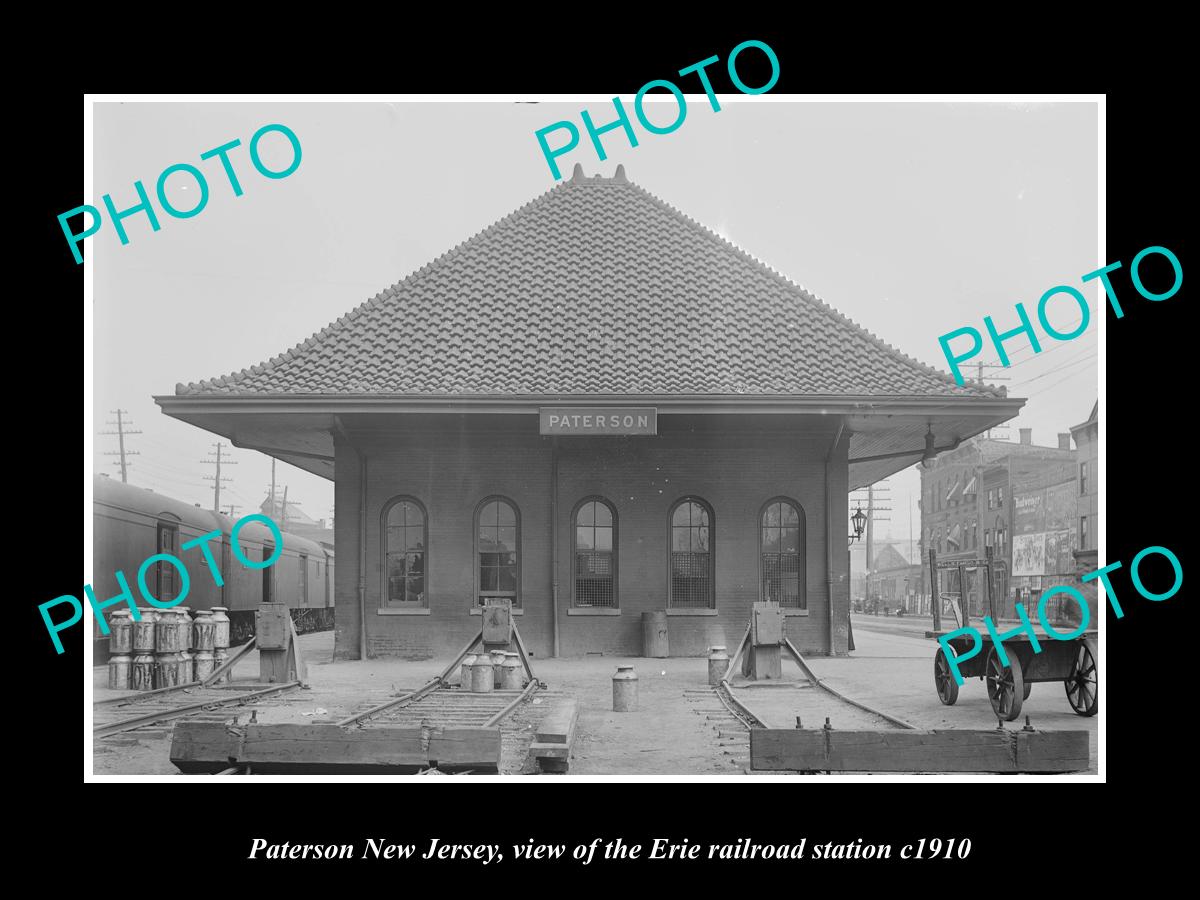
(1001,536)
(691,585)
(782,554)
(595,554)
(498,551)
(405,548)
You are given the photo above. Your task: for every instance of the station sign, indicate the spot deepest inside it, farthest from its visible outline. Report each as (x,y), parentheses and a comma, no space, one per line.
(561,420)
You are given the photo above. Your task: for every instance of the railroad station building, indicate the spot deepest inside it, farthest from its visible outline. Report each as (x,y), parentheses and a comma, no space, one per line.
(596,407)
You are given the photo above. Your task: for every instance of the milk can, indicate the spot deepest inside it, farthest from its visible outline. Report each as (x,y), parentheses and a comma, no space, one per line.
(119,666)
(170,668)
(221,627)
(464,678)
(141,672)
(482,675)
(497,667)
(625,690)
(511,675)
(203,664)
(220,655)
(120,632)
(167,632)
(143,632)
(183,622)
(204,630)
(187,667)
(718,662)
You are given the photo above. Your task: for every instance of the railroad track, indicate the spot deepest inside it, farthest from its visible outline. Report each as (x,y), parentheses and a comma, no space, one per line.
(154,708)
(806,704)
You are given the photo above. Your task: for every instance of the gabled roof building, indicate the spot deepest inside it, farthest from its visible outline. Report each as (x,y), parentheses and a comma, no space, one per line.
(596,408)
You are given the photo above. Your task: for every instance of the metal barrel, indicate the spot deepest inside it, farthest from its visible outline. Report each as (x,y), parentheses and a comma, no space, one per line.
(654,634)
(220,655)
(167,633)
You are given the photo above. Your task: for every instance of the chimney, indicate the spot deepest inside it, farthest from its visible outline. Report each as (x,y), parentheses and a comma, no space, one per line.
(1026,435)
(1064,441)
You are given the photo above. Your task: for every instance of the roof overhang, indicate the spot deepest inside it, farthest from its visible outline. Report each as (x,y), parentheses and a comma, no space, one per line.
(298,429)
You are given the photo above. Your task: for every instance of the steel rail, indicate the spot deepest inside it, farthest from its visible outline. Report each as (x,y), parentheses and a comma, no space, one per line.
(166,715)
(740,710)
(412,696)
(817,682)
(529,691)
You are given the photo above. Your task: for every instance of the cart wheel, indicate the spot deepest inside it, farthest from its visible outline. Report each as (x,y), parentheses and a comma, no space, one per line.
(1005,685)
(1083,689)
(943,680)
(1028,689)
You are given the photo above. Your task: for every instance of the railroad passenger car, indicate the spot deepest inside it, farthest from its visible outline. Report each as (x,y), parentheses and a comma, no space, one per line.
(133,523)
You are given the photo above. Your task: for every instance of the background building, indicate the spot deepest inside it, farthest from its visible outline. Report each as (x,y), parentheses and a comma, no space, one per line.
(1087,448)
(967,505)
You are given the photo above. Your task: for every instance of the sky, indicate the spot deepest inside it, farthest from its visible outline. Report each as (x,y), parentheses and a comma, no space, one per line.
(913,219)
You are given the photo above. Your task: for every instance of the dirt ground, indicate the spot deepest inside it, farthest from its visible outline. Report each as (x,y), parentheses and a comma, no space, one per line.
(677,728)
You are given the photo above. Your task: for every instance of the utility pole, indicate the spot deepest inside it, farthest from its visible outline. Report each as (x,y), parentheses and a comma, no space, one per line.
(217,479)
(273,486)
(283,524)
(233,508)
(120,433)
(979,367)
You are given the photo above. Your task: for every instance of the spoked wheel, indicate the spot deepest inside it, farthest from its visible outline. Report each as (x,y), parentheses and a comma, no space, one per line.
(1083,684)
(1028,688)
(943,679)
(1005,685)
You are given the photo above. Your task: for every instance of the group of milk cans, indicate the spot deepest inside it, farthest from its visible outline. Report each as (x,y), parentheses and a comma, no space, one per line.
(495,670)
(166,647)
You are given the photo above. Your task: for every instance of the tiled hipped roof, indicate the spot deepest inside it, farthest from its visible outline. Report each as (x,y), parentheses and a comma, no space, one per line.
(595,287)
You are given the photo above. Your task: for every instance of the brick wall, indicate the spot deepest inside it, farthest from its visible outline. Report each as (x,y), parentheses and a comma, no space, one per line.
(735,466)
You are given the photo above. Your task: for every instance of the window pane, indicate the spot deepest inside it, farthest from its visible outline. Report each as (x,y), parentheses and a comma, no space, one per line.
(603,514)
(416,590)
(791,516)
(681,515)
(505,514)
(508,578)
(506,538)
(604,539)
(587,514)
(416,563)
(771,517)
(490,514)
(680,538)
(791,540)
(395,564)
(415,538)
(770,540)
(488,579)
(699,514)
(700,538)
(583,538)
